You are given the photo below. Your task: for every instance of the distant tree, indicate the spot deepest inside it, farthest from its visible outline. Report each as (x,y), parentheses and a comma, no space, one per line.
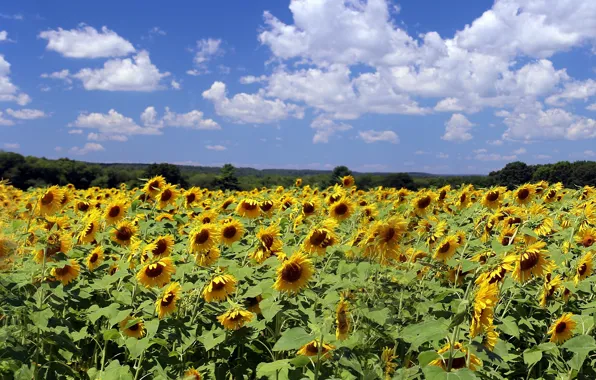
(399,180)
(170,172)
(513,174)
(338,173)
(227,179)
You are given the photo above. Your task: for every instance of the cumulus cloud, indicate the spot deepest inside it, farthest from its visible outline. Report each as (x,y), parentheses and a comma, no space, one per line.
(60,75)
(250,108)
(5,122)
(326,128)
(112,124)
(175,85)
(218,148)
(11,146)
(86,42)
(206,49)
(128,74)
(249,79)
(577,90)
(372,136)
(26,114)
(591,107)
(457,128)
(8,91)
(87,148)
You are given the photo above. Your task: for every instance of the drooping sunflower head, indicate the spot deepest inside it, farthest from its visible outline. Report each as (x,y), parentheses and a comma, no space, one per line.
(342,320)
(203,237)
(56,241)
(235,318)
(192,196)
(458,358)
(248,208)
(66,273)
(584,267)
(157,273)
(267,206)
(312,349)
(208,257)
(219,288)
(252,304)
(166,304)
(562,329)
(124,233)
(167,196)
(133,327)
(532,261)
(231,231)
(586,237)
(294,273)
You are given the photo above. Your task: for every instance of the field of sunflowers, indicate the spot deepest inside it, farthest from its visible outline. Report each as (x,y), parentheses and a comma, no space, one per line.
(291,283)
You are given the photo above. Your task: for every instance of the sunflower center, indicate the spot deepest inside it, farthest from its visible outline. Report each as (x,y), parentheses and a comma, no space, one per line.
(62,271)
(492,196)
(363,203)
(498,276)
(202,237)
(523,194)
(267,241)
(318,237)
(249,206)
(237,317)
(561,326)
(334,198)
(462,198)
(266,206)
(82,206)
(458,363)
(154,270)
(226,204)
(389,234)
(341,209)
(166,195)
(291,272)
(312,348)
(506,240)
(424,202)
(124,233)
(153,185)
(582,269)
(308,208)
(114,211)
(206,220)
(229,232)
(588,241)
(190,198)
(47,198)
(529,260)
(134,327)
(551,194)
(442,195)
(252,301)
(444,248)
(160,247)
(93,258)
(168,299)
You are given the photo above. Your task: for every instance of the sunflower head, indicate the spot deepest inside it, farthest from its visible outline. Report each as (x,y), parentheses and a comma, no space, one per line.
(235,318)
(166,303)
(231,231)
(66,273)
(203,237)
(124,233)
(341,209)
(562,329)
(157,273)
(293,274)
(133,327)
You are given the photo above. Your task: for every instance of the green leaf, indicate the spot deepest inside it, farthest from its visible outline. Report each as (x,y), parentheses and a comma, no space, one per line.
(210,339)
(580,344)
(532,356)
(269,308)
(378,316)
(292,339)
(120,316)
(428,331)
(509,326)
(426,357)
(78,335)
(136,346)
(151,327)
(275,370)
(116,371)
(108,312)
(40,318)
(111,334)
(438,373)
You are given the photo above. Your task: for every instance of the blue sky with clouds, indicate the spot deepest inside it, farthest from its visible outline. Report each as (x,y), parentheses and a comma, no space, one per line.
(377,85)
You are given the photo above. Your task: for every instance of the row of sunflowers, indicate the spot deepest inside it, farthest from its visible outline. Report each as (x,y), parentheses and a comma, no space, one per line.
(289,283)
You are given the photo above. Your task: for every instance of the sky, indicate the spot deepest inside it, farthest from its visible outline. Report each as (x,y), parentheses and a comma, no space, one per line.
(446,87)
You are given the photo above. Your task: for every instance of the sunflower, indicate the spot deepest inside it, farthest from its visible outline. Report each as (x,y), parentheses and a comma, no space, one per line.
(387,358)
(156,274)
(160,247)
(207,217)
(298,182)
(312,349)
(82,206)
(490,338)
(485,301)
(584,267)
(235,318)
(347,181)
(166,304)
(231,231)
(192,374)
(497,274)
(562,329)
(320,237)
(422,203)
(463,198)
(154,185)
(532,262)
(342,319)
(203,238)
(493,197)
(124,233)
(191,196)
(310,207)
(586,237)
(507,236)
(51,200)
(550,286)
(67,273)
(524,194)
(58,241)
(95,258)
(293,274)
(219,288)
(458,360)
(132,327)
(267,206)
(341,209)
(269,238)
(115,212)
(446,248)
(226,203)
(253,304)
(167,196)
(208,257)
(248,208)
(387,233)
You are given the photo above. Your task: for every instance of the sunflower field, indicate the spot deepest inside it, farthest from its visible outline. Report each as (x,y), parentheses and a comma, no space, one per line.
(297,283)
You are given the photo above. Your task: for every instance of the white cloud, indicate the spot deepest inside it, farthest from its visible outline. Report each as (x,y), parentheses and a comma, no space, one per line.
(193,119)
(250,108)
(12,146)
(326,128)
(248,79)
(87,148)
(520,151)
(206,49)
(577,90)
(457,128)
(589,153)
(136,74)
(218,148)
(485,156)
(372,136)
(8,91)
(87,42)
(16,16)
(101,137)
(591,107)
(495,142)
(175,85)
(3,35)
(75,131)
(26,114)
(112,124)
(5,122)
(156,31)
(442,155)
(61,75)
(449,105)
(193,72)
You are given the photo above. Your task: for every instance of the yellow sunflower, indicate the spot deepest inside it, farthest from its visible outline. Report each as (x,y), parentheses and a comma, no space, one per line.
(208,257)
(58,241)
(562,329)
(191,196)
(167,196)
(124,233)
(166,304)
(586,237)
(157,273)
(95,258)
(298,182)
(203,237)
(458,360)
(422,203)
(50,201)
(267,207)
(342,316)
(154,186)
(532,262)
(231,231)
(235,318)
(584,267)
(192,374)
(67,273)
(219,288)
(160,247)
(248,208)
(293,274)
(312,349)
(550,286)
(115,212)
(133,327)
(310,207)
(348,181)
(446,248)
(524,194)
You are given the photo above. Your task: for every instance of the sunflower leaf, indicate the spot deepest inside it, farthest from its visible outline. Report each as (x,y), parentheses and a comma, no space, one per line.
(509,326)
(292,339)
(275,370)
(532,355)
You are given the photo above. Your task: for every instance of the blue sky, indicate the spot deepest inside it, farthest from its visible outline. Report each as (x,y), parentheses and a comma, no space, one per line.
(435,86)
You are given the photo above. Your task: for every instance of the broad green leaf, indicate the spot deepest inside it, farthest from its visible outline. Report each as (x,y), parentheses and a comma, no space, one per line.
(108,312)
(274,370)
(532,356)
(292,339)
(269,308)
(509,326)
(426,357)
(40,318)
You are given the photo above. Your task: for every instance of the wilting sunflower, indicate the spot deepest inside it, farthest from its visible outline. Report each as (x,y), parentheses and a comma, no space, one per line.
(124,233)
(347,181)
(490,338)
(133,327)
(231,230)
(166,304)
(342,316)
(458,360)
(67,273)
(160,247)
(219,288)
(248,208)
(562,329)
(312,349)
(154,186)
(341,209)
(95,258)
(115,212)
(235,318)
(524,194)
(421,204)
(203,237)
(532,262)
(252,304)
(157,273)
(446,248)
(192,374)
(167,196)
(485,301)
(387,358)
(50,201)
(294,273)
(208,257)
(584,267)
(586,237)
